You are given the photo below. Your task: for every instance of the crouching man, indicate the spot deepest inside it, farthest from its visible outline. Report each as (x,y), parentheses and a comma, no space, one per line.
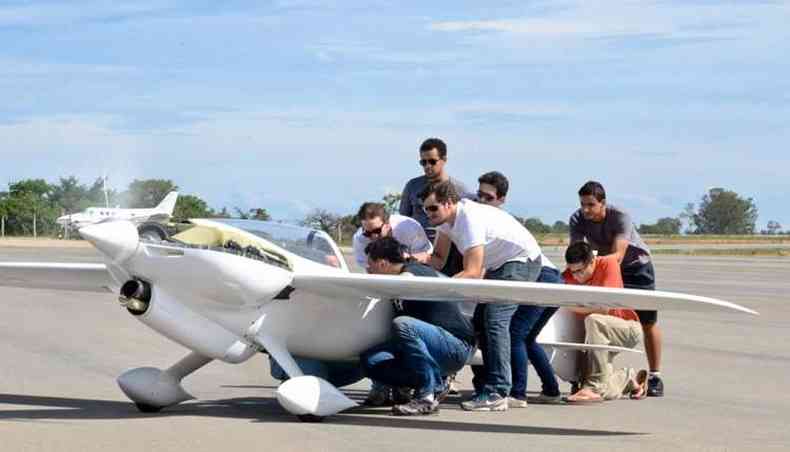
(430,340)
(616,327)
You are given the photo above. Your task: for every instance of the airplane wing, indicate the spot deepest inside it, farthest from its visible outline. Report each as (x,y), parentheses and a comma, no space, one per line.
(356,286)
(59,276)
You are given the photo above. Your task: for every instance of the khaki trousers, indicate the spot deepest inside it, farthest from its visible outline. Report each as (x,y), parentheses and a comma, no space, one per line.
(599,374)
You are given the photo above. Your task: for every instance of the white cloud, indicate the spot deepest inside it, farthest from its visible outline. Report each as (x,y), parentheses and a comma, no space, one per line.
(43,13)
(590,19)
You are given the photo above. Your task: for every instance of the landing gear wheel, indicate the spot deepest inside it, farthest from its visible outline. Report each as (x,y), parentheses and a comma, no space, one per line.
(312,418)
(146,408)
(152,231)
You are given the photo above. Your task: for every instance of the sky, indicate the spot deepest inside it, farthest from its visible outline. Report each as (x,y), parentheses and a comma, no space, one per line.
(294,105)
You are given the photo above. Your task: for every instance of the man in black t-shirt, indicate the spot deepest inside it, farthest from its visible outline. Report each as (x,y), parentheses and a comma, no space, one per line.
(430,339)
(609,230)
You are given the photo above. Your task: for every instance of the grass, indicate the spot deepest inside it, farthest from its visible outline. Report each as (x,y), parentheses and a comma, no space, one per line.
(762,252)
(651,239)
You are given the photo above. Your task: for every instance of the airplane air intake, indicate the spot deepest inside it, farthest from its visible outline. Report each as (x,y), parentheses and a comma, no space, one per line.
(135,296)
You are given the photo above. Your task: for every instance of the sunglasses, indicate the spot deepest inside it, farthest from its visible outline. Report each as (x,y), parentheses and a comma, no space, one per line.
(431,208)
(432,162)
(485,197)
(372,232)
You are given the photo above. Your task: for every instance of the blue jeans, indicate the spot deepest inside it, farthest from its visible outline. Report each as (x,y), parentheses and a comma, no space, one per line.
(418,356)
(525,326)
(339,373)
(492,324)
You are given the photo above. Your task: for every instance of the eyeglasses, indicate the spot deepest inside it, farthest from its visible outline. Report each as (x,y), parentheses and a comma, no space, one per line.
(485,197)
(373,232)
(432,162)
(581,270)
(431,208)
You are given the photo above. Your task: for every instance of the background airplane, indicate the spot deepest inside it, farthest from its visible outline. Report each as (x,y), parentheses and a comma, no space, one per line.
(226,289)
(94,215)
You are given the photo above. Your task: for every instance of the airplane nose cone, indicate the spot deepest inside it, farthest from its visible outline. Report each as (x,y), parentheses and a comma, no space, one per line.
(118,240)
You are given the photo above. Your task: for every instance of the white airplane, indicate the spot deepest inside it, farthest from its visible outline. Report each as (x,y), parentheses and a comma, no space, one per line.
(94,215)
(227,289)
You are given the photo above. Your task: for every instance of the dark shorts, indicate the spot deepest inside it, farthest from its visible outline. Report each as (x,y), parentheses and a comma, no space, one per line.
(643,277)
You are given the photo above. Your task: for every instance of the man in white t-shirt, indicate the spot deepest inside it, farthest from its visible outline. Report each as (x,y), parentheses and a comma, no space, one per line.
(494,246)
(377,222)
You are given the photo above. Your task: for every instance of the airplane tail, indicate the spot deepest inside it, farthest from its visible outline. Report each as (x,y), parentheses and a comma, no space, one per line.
(169,203)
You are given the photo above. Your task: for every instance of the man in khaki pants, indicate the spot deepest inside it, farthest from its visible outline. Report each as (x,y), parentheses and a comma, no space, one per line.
(616,327)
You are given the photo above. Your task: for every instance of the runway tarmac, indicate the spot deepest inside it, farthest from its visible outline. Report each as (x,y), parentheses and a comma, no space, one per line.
(725,379)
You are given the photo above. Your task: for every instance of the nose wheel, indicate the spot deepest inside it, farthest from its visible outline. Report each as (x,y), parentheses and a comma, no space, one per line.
(310,418)
(146,408)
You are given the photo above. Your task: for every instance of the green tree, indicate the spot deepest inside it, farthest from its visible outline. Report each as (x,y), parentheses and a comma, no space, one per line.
(664,226)
(322,219)
(30,209)
(68,194)
(253,214)
(191,206)
(148,193)
(725,212)
(536,226)
(392,202)
(560,227)
(95,196)
(222,213)
(772,228)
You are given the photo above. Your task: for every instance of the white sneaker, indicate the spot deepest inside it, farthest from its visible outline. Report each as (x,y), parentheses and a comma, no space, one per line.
(514,402)
(486,402)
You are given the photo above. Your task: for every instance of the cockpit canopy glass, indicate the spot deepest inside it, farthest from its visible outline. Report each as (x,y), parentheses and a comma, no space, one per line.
(308,243)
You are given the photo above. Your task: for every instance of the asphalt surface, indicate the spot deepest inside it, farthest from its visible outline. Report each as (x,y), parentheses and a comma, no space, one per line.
(724,373)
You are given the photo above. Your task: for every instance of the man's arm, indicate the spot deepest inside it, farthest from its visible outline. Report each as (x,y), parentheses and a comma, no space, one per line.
(624,228)
(620,247)
(473,263)
(359,251)
(420,247)
(576,231)
(440,250)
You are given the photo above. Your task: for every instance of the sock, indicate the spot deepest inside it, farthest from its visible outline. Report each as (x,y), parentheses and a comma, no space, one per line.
(654,373)
(428,398)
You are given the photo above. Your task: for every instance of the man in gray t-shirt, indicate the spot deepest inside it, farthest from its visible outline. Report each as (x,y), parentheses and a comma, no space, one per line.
(603,235)
(609,230)
(433,158)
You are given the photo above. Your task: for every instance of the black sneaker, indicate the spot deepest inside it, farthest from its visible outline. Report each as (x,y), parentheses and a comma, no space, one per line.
(416,407)
(401,396)
(655,386)
(379,397)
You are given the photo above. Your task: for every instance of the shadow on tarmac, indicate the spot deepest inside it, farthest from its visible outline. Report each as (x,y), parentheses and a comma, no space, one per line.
(255,409)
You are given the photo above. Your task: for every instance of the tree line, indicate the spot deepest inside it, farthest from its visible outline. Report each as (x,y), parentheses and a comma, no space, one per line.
(32,206)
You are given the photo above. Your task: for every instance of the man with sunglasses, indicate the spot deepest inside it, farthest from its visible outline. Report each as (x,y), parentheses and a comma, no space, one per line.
(433,159)
(377,223)
(528,321)
(494,245)
(610,231)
